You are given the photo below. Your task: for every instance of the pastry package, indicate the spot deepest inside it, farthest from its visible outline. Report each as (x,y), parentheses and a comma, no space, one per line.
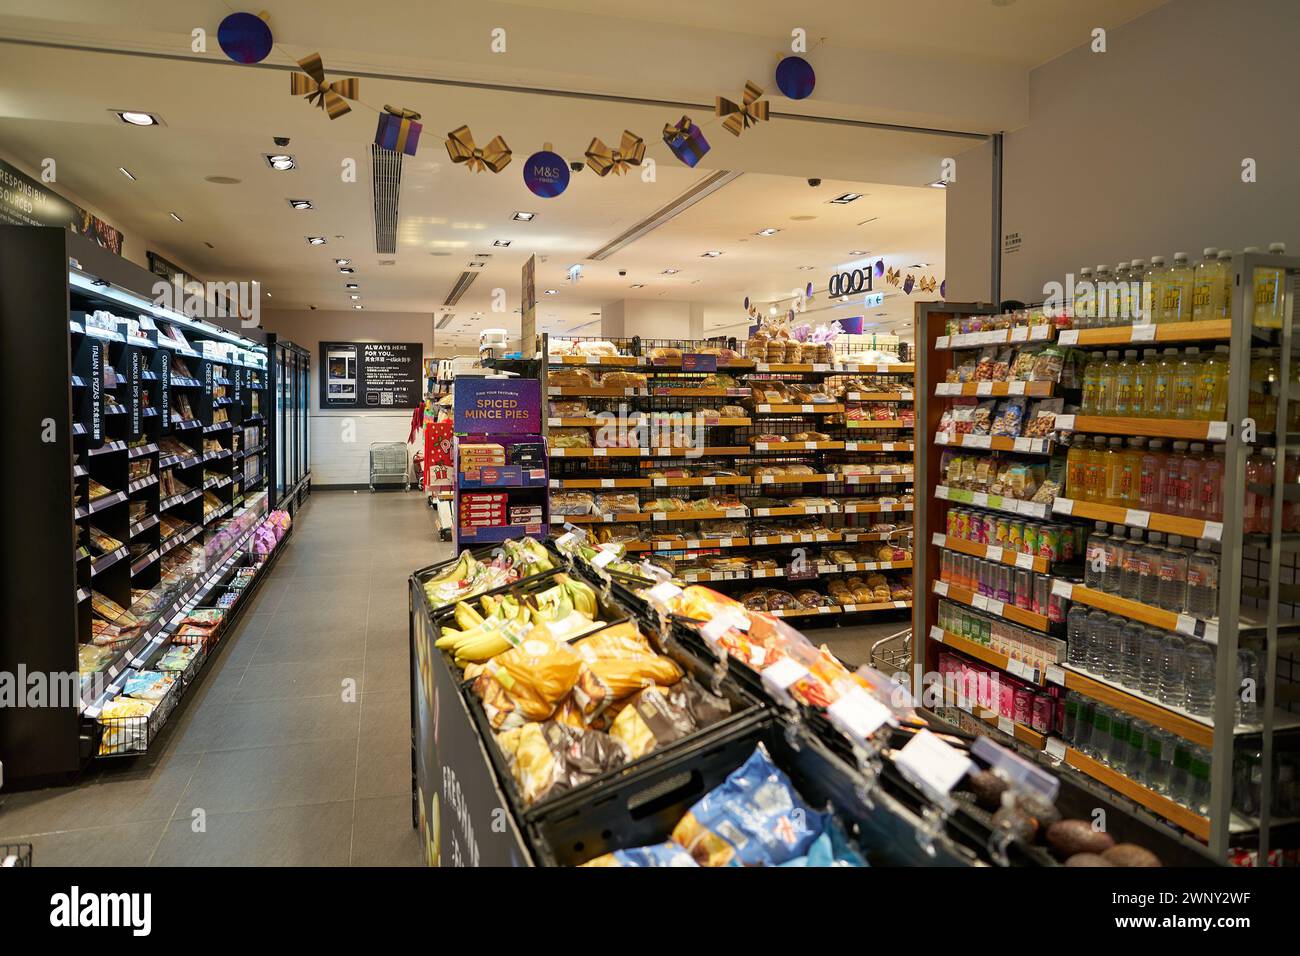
(1010,418)
(617,533)
(597,348)
(570,438)
(568,377)
(982,418)
(1047,365)
(617,503)
(621,379)
(665,356)
(570,408)
(572,502)
(662,504)
(1042,417)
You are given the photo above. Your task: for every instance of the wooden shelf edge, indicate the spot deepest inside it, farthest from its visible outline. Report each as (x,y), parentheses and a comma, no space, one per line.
(1193,730)
(1158,804)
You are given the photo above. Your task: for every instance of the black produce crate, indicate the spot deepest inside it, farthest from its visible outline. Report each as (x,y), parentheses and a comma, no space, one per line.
(421,575)
(744,708)
(643,809)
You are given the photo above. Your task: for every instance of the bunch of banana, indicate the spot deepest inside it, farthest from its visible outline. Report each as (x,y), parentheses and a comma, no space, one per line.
(528,555)
(482,638)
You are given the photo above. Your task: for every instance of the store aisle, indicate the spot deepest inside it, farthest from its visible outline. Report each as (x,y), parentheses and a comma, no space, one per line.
(294,748)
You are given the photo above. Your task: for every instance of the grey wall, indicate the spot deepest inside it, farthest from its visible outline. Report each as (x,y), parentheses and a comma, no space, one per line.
(1137,151)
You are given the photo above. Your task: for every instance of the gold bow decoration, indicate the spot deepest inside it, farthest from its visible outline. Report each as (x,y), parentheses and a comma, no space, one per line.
(738,118)
(602,159)
(892,276)
(460,147)
(401,112)
(928,283)
(329,96)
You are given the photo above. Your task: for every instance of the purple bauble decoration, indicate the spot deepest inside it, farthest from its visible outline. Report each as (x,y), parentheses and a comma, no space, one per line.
(795,78)
(245,38)
(546,174)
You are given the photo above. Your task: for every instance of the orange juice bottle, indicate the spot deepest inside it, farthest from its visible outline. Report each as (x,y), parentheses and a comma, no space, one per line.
(1113,462)
(1095,476)
(1076,471)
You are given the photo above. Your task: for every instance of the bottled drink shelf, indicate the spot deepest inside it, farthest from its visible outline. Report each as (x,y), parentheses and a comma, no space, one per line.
(1193,528)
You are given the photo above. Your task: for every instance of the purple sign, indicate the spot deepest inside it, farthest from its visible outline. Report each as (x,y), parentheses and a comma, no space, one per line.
(546,174)
(696,362)
(851,325)
(497,406)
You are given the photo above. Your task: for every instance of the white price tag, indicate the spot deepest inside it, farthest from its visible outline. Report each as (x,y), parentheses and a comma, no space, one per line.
(979,441)
(1040,332)
(822,536)
(604,558)
(1137,519)
(984,388)
(994,606)
(939,540)
(980,498)
(1023,444)
(564,540)
(1217,431)
(1063,506)
(1055,674)
(929,760)
(941,588)
(607,482)
(1019,334)
(709,482)
(1142,333)
(787,539)
(1063,589)
(1213,530)
(1015,388)
(737,513)
(1186,625)
(810,445)
(1064,423)
(1007,725)
(724,542)
(661,482)
(936,633)
(1056,748)
(600,452)
(941,491)
(942,342)
(663,593)
(1016,668)
(980,601)
(713,629)
(993,553)
(782,674)
(858,715)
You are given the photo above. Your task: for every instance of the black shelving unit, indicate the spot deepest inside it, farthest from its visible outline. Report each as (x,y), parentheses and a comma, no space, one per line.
(286,462)
(132,418)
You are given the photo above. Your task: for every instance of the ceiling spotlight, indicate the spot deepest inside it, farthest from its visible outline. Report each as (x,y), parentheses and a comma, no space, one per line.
(771,310)
(846,198)
(501,242)
(939,184)
(524,216)
(769,231)
(300,203)
(358,307)
(354,298)
(807,268)
(176,217)
(280,161)
(670,272)
(711,254)
(137,118)
(637,285)
(268,295)
(343,262)
(317,240)
(126,172)
(859,252)
(552,291)
(347,270)
(353,285)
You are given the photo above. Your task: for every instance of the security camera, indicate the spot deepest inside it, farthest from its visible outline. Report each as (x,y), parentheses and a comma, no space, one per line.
(280,141)
(622,272)
(313,308)
(814,182)
(576,165)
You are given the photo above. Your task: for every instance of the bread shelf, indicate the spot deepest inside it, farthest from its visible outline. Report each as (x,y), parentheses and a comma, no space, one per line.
(1030,562)
(1010,612)
(1158,804)
(1151,520)
(857,368)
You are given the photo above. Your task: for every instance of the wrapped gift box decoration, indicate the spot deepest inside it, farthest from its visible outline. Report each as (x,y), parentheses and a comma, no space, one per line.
(686,140)
(398,130)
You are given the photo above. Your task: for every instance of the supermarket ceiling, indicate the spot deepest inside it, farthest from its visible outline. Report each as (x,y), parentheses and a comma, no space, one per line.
(220,119)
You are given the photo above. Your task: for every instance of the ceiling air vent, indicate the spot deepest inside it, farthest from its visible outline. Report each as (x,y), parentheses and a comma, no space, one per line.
(705,187)
(386,175)
(460,288)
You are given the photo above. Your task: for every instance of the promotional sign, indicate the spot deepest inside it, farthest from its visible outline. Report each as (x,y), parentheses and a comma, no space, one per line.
(371,374)
(497,406)
(546,173)
(26,202)
(697,362)
(850,283)
(528,305)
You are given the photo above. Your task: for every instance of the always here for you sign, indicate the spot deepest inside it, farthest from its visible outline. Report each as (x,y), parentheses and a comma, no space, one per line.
(497,406)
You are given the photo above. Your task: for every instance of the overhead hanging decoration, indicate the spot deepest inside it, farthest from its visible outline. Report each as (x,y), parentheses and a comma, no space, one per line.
(686,141)
(460,147)
(927,283)
(331,96)
(737,118)
(909,283)
(399,130)
(246,37)
(602,159)
(546,173)
(795,78)
(892,276)
(943,289)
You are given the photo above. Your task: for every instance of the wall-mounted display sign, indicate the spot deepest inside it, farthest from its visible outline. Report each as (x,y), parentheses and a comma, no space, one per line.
(26,202)
(371,374)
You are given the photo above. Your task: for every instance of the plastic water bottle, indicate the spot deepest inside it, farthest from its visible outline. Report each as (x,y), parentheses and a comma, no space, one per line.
(1159,765)
(1110,664)
(1076,636)
(1173,689)
(1110,574)
(1198,783)
(1136,758)
(1099,745)
(1120,725)
(1180,778)
(1096,641)
(1083,725)
(1131,636)
(1130,564)
(1199,680)
(1149,657)
(1248,687)
(1149,558)
(1172,592)
(1203,582)
(1095,556)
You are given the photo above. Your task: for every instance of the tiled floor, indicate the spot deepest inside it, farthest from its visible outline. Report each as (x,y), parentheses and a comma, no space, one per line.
(294,747)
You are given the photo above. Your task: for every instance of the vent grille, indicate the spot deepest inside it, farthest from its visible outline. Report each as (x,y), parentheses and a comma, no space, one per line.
(386,175)
(705,187)
(460,288)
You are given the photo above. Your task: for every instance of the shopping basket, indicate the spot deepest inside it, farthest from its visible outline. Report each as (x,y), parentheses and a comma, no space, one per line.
(388,461)
(893,654)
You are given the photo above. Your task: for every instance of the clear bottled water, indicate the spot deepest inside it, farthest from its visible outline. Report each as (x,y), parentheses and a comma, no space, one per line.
(1076,636)
(1149,654)
(1203,582)
(1172,691)
(1159,765)
(1198,782)
(1099,745)
(1097,641)
(1095,556)
(1130,565)
(1249,686)
(1120,725)
(1131,636)
(1172,593)
(1083,725)
(1180,777)
(1136,758)
(1199,678)
(1149,558)
(1110,575)
(1110,663)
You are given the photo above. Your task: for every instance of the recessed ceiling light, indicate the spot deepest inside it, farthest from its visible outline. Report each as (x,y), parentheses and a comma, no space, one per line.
(222,180)
(711,254)
(280,161)
(176,217)
(802,218)
(343,262)
(939,184)
(807,268)
(317,240)
(918,265)
(501,242)
(300,203)
(637,285)
(859,252)
(347,270)
(846,198)
(670,272)
(138,118)
(358,307)
(552,291)
(353,285)
(354,297)
(126,172)
(524,216)
(769,231)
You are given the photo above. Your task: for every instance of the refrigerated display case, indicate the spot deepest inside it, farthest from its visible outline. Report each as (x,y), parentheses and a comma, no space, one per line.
(290,367)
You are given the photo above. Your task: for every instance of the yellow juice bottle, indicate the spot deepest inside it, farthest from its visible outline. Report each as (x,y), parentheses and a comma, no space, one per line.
(1113,459)
(1160,399)
(1183,402)
(1076,471)
(1142,376)
(1206,285)
(1131,473)
(1106,390)
(1212,386)
(1176,305)
(1270,291)
(1153,284)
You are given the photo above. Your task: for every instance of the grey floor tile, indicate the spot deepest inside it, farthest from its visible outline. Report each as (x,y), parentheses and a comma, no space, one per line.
(320,612)
(388,673)
(228,781)
(316,835)
(386,715)
(388,639)
(384,767)
(125,844)
(267,723)
(382,834)
(299,679)
(282,648)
